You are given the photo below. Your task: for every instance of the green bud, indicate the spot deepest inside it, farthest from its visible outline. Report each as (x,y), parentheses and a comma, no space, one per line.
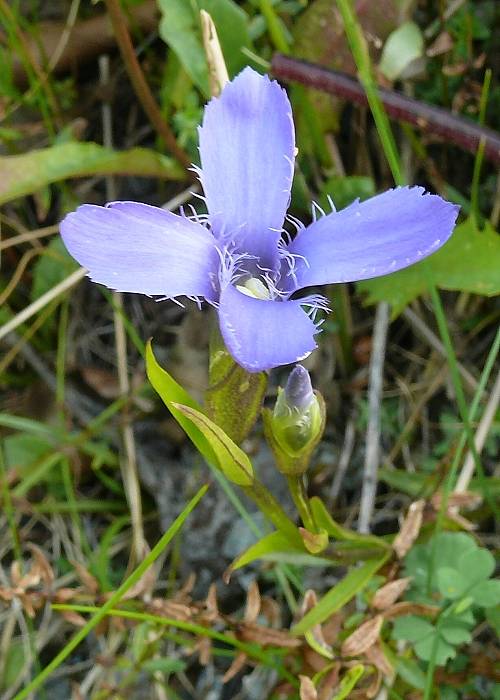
(294,427)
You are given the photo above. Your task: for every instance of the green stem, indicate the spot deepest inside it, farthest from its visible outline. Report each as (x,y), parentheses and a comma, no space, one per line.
(361,55)
(298,493)
(272,510)
(274,26)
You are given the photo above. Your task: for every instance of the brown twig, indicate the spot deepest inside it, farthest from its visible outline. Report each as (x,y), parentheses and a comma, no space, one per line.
(140,85)
(434,120)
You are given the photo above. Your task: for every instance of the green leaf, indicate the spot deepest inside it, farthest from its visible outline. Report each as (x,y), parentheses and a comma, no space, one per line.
(476,565)
(349,681)
(444,651)
(324,521)
(165,665)
(451,583)
(274,543)
(231,459)
(180,29)
(412,628)
(171,393)
(354,581)
(455,632)
(26,173)
(450,547)
(409,671)
(486,594)
(52,267)
(403,46)
(468,262)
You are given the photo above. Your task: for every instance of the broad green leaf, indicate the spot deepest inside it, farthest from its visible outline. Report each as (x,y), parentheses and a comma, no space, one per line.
(403,46)
(349,681)
(455,632)
(171,393)
(444,651)
(52,267)
(450,546)
(26,173)
(476,565)
(468,262)
(451,583)
(180,29)
(324,521)
(353,582)
(412,628)
(231,459)
(487,593)
(274,543)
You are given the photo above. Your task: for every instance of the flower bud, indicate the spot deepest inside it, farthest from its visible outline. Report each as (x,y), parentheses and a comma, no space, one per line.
(295,426)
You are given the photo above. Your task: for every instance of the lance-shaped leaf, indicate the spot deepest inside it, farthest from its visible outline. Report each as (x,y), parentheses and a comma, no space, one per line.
(272,544)
(28,172)
(171,394)
(340,594)
(324,520)
(231,459)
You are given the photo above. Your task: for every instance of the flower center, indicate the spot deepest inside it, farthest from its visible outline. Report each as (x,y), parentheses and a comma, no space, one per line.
(254,287)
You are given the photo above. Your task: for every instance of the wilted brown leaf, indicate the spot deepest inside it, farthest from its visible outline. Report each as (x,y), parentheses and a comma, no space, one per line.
(250,632)
(388,594)
(409,529)
(170,608)
(253,603)
(41,564)
(211,608)
(376,656)
(238,662)
(409,608)
(89,581)
(204,647)
(363,638)
(307,689)
(73,617)
(329,683)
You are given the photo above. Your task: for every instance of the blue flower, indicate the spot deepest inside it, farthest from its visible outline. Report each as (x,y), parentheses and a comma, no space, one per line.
(238,257)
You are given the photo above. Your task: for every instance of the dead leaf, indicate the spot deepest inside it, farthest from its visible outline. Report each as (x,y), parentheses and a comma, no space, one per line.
(329,683)
(204,647)
(372,690)
(377,658)
(238,663)
(73,617)
(363,638)
(211,608)
(102,381)
(253,603)
(388,594)
(441,44)
(42,564)
(409,529)
(250,632)
(89,581)
(409,608)
(170,608)
(307,689)
(470,500)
